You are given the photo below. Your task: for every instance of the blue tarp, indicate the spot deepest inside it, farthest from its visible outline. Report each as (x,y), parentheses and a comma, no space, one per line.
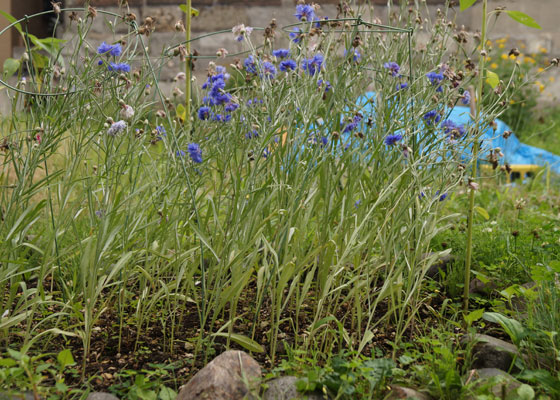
(514,151)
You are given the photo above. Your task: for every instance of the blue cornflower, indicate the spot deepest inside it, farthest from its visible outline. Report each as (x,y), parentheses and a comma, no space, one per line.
(313,65)
(195,152)
(204,113)
(281,53)
(435,79)
(180,153)
(100,62)
(305,12)
(230,107)
(269,70)
(249,64)
(357,203)
(161,130)
(442,197)
(391,140)
(452,129)
(295,35)
(393,68)
(350,127)
(324,141)
(116,127)
(252,134)
(222,118)
(326,84)
(287,65)
(357,118)
(119,67)
(356,56)
(104,48)
(432,117)
(466,98)
(401,86)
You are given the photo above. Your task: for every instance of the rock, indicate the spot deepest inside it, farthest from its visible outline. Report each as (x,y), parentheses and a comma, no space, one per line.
(501,383)
(479,287)
(400,392)
(490,352)
(224,378)
(440,264)
(101,396)
(284,388)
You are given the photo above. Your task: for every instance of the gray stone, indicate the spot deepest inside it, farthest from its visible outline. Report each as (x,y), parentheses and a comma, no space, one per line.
(401,392)
(284,388)
(490,352)
(230,376)
(479,287)
(501,382)
(101,396)
(440,264)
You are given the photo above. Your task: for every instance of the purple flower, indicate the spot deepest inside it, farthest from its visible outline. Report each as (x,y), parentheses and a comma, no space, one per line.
(356,56)
(391,140)
(269,70)
(313,65)
(119,67)
(114,50)
(393,68)
(435,79)
(350,127)
(432,117)
(116,127)
(180,153)
(249,64)
(222,118)
(281,53)
(287,65)
(295,35)
(401,86)
(204,113)
(452,129)
(252,134)
(305,12)
(326,84)
(100,62)
(442,197)
(195,152)
(230,107)
(466,98)
(357,203)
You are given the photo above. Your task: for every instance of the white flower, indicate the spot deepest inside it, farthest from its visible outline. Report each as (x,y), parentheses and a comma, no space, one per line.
(116,127)
(222,53)
(239,31)
(5,313)
(180,77)
(127,112)
(487,230)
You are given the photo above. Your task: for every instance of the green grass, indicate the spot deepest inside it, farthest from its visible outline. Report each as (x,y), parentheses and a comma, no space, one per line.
(544,131)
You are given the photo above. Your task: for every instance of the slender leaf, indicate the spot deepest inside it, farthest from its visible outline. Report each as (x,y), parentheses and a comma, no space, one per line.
(466,4)
(523,18)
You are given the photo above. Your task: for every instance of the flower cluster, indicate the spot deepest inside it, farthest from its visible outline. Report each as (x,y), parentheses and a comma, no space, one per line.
(241,31)
(435,79)
(217,96)
(114,50)
(313,65)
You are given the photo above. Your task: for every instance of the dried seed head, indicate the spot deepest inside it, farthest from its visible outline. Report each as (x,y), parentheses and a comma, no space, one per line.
(514,52)
(56,7)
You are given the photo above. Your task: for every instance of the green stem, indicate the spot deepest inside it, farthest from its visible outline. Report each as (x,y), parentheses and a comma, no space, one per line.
(188,71)
(470,214)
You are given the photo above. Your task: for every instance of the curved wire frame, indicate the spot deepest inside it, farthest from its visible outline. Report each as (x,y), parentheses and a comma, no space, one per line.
(356,23)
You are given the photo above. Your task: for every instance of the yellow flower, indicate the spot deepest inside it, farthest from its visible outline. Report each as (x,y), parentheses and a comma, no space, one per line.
(522,46)
(512,57)
(530,60)
(504,56)
(493,66)
(540,86)
(511,102)
(543,50)
(501,45)
(541,69)
(551,79)
(501,41)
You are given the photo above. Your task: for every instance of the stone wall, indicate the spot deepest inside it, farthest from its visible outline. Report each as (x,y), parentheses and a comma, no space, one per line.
(216,15)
